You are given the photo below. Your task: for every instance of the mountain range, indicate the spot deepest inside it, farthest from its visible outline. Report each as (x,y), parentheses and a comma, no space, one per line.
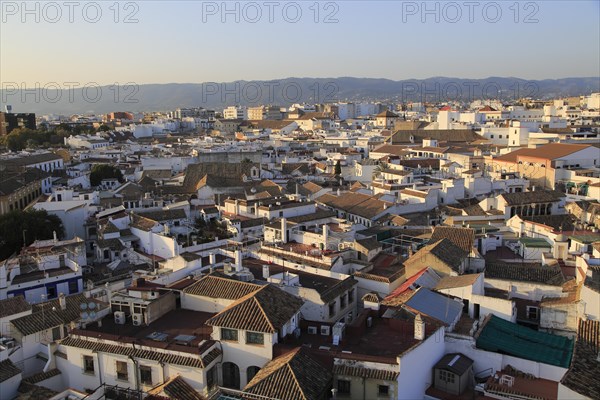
(54,98)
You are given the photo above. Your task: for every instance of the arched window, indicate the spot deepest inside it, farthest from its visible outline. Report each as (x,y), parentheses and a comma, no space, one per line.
(251,371)
(231,375)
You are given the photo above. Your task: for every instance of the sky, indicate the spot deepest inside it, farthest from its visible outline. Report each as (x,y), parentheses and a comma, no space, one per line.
(148,41)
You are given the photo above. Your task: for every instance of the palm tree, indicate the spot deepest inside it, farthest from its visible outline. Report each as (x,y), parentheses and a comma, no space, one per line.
(379,169)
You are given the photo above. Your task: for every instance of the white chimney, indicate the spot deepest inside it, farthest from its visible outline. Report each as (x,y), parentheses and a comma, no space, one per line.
(212,258)
(284,232)
(55,236)
(62,301)
(325,234)
(238,260)
(419,328)
(266,271)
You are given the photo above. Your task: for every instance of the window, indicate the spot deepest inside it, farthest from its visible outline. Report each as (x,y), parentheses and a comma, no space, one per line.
(146,375)
(211,378)
(342,301)
(532,312)
(383,390)
(229,334)
(122,374)
(343,387)
(254,338)
(73,287)
(350,295)
(56,333)
(251,372)
(88,364)
(446,376)
(332,309)
(51,292)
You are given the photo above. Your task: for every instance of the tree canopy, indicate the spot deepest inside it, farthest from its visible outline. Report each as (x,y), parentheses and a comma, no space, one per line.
(30,225)
(104,171)
(338,168)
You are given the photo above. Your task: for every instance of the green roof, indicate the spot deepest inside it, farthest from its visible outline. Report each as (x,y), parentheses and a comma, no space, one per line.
(535,242)
(505,337)
(586,239)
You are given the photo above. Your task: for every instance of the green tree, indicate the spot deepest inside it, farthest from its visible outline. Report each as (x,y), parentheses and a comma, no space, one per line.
(338,168)
(379,169)
(29,225)
(103,128)
(104,171)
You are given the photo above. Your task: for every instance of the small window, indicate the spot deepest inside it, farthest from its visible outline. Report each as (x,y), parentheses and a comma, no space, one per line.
(332,309)
(383,390)
(342,301)
(343,387)
(51,292)
(446,376)
(532,312)
(229,334)
(73,287)
(122,373)
(254,338)
(146,375)
(350,295)
(88,364)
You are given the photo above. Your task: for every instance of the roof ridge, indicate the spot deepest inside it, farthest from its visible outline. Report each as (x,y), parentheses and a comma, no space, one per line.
(289,367)
(262,309)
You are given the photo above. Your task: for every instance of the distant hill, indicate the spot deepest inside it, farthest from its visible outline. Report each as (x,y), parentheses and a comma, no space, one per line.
(155,97)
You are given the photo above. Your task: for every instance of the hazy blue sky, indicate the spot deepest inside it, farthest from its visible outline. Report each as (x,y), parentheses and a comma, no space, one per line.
(187,41)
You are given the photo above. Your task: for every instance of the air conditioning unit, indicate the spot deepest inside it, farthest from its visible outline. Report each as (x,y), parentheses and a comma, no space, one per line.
(9,343)
(120,317)
(138,319)
(312,330)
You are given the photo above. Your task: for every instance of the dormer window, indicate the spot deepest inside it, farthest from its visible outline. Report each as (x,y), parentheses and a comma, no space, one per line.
(229,334)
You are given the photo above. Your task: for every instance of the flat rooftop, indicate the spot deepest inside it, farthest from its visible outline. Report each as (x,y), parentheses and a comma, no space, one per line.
(174,323)
(384,341)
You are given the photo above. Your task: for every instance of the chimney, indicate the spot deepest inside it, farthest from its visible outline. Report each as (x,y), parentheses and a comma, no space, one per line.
(284,232)
(108,292)
(55,237)
(339,192)
(266,271)
(522,229)
(533,188)
(212,258)
(325,234)
(237,207)
(419,328)
(238,260)
(62,301)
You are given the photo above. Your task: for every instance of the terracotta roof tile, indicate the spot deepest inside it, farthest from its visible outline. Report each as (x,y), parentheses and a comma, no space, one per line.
(13,305)
(220,287)
(368,373)
(265,310)
(8,370)
(461,237)
(292,376)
